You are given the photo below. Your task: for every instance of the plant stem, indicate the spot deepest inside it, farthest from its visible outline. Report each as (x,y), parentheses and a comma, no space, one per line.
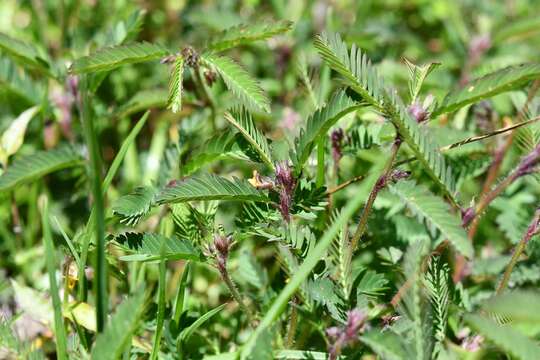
(379,185)
(345,184)
(531,231)
(100,285)
(293,322)
(234,291)
(206,96)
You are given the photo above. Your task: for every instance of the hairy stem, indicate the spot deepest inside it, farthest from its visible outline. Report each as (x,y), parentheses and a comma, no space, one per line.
(234,290)
(531,231)
(206,96)
(379,185)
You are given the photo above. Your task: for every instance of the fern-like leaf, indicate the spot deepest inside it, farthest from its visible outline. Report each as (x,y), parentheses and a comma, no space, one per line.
(237,80)
(435,212)
(112,57)
(505,337)
(318,125)
(209,187)
(515,305)
(132,207)
(24,53)
(17,82)
(216,148)
(417,76)
(174,101)
(363,78)
(30,167)
(495,83)
(112,342)
(248,33)
(152,247)
(436,283)
(242,120)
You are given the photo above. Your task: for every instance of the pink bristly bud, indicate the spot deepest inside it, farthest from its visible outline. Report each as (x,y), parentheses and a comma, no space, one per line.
(467,216)
(418,112)
(336,138)
(286,181)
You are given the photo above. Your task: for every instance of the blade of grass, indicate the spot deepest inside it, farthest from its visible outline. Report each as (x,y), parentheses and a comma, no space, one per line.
(50,258)
(161,308)
(105,187)
(100,284)
(181,294)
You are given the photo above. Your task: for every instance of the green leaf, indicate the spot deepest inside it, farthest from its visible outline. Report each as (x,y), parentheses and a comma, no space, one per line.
(17,82)
(242,120)
(24,53)
(250,271)
(515,305)
(435,212)
(174,101)
(209,187)
(385,344)
(247,33)
(122,325)
(143,100)
(371,284)
(495,83)
(112,57)
(13,136)
(187,332)
(30,167)
(318,125)
(363,78)
(151,247)
(132,207)
(417,75)
(505,337)
(237,80)
(215,148)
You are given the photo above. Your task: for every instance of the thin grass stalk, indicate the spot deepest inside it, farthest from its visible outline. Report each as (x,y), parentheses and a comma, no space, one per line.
(161,309)
(100,284)
(50,259)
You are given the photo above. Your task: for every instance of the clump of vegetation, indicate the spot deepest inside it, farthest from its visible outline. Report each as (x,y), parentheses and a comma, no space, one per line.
(292,180)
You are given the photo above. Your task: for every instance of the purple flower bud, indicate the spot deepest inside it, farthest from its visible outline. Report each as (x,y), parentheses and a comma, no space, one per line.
(222,244)
(286,181)
(346,335)
(418,112)
(333,332)
(467,216)
(355,320)
(398,174)
(190,57)
(479,45)
(337,138)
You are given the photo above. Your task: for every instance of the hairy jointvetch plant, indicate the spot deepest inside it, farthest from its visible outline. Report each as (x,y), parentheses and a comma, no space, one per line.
(220,250)
(341,181)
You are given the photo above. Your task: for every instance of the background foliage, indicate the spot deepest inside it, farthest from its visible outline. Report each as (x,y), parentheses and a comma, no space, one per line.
(269,180)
